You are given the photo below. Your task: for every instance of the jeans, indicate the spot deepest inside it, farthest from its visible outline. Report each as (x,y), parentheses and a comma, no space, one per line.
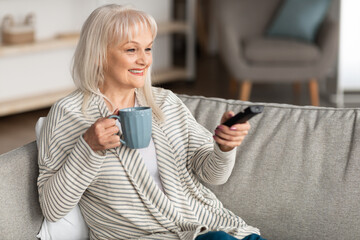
(220,235)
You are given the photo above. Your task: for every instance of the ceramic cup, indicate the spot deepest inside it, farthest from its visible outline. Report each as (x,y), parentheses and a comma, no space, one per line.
(136,125)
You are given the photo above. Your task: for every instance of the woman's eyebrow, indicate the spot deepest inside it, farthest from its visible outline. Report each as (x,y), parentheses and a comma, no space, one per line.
(135,42)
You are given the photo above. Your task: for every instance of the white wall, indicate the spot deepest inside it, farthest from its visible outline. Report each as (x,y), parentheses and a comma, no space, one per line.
(35,74)
(349,56)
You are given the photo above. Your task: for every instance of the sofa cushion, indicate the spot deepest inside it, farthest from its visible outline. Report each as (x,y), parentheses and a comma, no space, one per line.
(279,51)
(299,19)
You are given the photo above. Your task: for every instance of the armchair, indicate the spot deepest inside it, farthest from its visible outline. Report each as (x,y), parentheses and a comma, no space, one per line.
(250,56)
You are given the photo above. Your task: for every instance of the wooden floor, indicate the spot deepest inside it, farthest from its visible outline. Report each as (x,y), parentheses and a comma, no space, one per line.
(212,80)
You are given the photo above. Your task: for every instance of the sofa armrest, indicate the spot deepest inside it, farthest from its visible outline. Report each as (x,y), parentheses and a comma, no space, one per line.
(20,213)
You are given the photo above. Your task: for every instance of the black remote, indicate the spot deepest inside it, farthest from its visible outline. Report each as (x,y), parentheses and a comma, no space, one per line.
(245,115)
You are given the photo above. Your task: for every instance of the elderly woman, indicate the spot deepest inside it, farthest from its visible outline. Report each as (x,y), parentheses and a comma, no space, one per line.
(123,193)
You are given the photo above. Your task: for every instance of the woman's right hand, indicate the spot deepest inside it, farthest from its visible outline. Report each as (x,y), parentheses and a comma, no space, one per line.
(102,135)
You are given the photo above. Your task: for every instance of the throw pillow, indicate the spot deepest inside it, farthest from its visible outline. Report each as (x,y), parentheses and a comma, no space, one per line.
(299,19)
(72,226)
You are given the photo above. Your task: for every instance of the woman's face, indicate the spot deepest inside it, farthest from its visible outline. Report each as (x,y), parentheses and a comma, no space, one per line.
(128,62)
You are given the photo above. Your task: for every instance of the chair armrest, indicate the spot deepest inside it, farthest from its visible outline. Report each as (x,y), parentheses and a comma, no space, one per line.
(328,35)
(328,42)
(230,48)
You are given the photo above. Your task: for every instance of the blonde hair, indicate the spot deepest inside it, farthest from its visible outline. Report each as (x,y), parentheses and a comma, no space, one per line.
(109,24)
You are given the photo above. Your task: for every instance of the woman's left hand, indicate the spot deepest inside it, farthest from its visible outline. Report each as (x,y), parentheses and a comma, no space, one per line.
(230,137)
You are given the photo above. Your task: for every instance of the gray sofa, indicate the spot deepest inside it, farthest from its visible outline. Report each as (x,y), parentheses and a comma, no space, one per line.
(297,174)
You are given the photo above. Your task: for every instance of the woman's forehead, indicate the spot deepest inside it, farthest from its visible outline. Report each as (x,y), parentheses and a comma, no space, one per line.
(132,35)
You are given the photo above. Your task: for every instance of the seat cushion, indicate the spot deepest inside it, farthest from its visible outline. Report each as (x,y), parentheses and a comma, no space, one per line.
(279,51)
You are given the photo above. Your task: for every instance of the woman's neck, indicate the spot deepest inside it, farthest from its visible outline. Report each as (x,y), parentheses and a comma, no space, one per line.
(118,98)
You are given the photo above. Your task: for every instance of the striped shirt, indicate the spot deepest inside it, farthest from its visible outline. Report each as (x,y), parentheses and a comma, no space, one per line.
(116,194)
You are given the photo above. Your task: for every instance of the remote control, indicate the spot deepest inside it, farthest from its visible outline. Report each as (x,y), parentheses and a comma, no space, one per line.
(245,115)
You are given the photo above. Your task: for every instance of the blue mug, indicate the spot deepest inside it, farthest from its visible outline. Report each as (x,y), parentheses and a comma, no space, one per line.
(136,125)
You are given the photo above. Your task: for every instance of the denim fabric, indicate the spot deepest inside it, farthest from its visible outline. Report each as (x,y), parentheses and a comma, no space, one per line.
(220,235)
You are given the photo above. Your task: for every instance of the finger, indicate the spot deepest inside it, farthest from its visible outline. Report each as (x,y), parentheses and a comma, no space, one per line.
(233,138)
(241,127)
(230,133)
(227,115)
(114,140)
(116,112)
(100,126)
(109,142)
(111,130)
(235,130)
(224,142)
(226,139)
(107,122)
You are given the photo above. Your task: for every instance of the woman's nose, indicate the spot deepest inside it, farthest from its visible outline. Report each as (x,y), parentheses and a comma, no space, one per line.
(142,58)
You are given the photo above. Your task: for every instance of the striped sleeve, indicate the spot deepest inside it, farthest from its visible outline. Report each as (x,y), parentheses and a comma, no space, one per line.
(67,165)
(208,162)
(214,167)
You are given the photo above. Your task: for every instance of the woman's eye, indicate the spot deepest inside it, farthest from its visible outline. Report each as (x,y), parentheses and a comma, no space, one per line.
(130,50)
(148,49)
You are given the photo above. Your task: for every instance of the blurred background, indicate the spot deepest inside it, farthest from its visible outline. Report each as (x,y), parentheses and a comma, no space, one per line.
(237,49)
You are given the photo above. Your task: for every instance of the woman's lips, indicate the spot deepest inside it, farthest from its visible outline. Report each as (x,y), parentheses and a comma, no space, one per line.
(139,72)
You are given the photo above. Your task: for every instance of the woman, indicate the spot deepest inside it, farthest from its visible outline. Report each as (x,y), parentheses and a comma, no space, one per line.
(124,193)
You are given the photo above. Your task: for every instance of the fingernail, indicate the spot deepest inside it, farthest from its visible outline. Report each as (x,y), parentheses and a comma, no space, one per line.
(220,127)
(233,128)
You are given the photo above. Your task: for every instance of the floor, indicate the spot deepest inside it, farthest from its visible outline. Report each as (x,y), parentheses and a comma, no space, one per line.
(212,80)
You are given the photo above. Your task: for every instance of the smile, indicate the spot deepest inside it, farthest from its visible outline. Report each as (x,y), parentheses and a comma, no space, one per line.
(137,71)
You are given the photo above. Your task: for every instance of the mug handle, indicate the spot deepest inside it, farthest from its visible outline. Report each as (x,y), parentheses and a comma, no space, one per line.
(118,118)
